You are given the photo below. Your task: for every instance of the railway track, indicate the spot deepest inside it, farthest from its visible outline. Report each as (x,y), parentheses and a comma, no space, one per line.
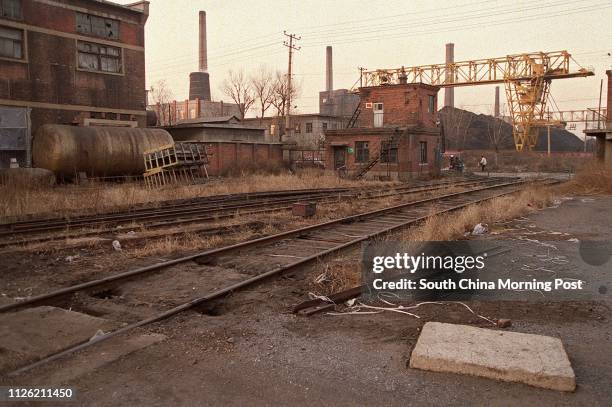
(200,211)
(260,259)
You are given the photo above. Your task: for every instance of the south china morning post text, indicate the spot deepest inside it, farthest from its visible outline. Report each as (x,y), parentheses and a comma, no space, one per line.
(458,270)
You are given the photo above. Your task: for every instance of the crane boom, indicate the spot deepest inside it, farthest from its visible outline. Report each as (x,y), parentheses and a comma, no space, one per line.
(526,77)
(520,67)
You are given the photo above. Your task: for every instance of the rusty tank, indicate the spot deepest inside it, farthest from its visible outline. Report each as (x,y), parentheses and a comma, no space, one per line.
(97,151)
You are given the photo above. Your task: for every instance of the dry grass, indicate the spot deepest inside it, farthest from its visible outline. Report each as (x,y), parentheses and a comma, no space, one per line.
(454,225)
(524,161)
(594,179)
(336,276)
(20,201)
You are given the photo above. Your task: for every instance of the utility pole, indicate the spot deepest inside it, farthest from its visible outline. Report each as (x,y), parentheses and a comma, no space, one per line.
(361,69)
(292,47)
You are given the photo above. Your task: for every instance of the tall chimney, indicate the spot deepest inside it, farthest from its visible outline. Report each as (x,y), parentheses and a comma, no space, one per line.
(203,54)
(199,82)
(329,72)
(449,93)
(496,107)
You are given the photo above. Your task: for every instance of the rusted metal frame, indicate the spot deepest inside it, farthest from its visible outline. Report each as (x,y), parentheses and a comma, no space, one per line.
(231,288)
(221,250)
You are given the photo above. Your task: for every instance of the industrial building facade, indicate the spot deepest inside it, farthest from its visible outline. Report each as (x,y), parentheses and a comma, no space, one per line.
(69,62)
(307,130)
(398,136)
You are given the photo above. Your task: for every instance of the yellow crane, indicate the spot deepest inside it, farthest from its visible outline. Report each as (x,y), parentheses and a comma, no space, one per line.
(526,77)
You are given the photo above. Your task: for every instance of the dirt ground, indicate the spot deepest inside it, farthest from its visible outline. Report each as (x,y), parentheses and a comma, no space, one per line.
(249,349)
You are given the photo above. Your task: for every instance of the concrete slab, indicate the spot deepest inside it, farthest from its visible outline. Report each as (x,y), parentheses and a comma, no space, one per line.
(536,360)
(37,332)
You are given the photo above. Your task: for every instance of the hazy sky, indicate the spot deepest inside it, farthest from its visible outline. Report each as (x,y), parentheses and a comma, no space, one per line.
(244,34)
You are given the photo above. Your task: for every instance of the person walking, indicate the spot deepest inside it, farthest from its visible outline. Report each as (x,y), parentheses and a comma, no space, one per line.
(483,163)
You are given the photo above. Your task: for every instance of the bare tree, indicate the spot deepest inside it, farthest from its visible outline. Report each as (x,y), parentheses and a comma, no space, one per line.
(238,87)
(162,95)
(263,88)
(281,92)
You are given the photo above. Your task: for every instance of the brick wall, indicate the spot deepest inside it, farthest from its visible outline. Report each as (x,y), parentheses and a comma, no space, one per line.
(49,75)
(408,156)
(403,104)
(229,157)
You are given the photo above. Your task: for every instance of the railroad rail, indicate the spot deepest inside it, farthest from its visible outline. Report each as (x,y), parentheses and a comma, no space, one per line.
(279,253)
(206,210)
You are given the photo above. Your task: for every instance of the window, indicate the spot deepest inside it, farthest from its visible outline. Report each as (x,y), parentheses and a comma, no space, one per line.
(423,152)
(378,115)
(324,125)
(97,26)
(273,129)
(10,9)
(362,151)
(388,152)
(298,128)
(102,58)
(11,43)
(308,127)
(432,104)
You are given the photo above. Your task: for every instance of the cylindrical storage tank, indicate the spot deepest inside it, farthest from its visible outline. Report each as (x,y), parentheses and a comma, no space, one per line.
(97,151)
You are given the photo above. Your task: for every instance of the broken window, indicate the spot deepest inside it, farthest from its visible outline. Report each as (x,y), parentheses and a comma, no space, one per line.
(97,26)
(362,151)
(423,152)
(388,152)
(298,128)
(96,57)
(11,43)
(10,9)
(308,127)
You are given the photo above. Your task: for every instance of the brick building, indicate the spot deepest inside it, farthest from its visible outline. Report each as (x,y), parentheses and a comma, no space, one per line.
(396,136)
(307,130)
(69,62)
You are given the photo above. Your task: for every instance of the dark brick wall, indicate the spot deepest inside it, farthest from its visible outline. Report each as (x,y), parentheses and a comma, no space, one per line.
(228,156)
(403,105)
(51,74)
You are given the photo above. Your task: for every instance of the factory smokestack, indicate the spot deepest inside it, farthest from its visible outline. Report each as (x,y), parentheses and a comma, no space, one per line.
(449,93)
(199,82)
(203,54)
(329,72)
(496,107)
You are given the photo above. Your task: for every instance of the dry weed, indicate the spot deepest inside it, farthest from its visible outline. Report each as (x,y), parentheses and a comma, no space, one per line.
(595,178)
(66,200)
(454,225)
(336,276)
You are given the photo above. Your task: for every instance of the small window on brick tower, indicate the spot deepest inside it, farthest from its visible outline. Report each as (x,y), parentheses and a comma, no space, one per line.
(432,104)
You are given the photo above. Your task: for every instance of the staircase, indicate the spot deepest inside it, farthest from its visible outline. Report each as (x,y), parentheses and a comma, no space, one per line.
(353,120)
(391,142)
